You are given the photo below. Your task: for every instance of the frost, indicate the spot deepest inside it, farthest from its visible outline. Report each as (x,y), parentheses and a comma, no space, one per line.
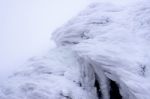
(103,53)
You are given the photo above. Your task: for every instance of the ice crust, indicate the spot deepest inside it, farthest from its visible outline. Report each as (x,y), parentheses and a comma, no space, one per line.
(104,42)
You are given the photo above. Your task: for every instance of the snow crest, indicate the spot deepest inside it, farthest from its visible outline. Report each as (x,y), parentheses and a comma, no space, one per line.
(115,39)
(105,43)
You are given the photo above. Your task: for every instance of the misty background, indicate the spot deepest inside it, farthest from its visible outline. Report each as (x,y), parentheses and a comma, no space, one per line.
(26,27)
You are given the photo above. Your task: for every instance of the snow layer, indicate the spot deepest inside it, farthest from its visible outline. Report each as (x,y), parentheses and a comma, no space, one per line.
(115,39)
(56,75)
(104,42)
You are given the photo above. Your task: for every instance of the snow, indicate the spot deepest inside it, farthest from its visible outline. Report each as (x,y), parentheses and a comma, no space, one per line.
(55,75)
(116,38)
(104,42)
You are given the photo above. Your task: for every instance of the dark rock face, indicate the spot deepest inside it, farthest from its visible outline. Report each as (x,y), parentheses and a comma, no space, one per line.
(114,91)
(97,86)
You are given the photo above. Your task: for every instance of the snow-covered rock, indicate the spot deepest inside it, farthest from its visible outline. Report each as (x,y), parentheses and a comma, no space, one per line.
(115,40)
(56,75)
(103,53)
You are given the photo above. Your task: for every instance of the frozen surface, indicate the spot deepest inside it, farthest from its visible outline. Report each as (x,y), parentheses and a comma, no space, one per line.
(104,42)
(115,39)
(57,75)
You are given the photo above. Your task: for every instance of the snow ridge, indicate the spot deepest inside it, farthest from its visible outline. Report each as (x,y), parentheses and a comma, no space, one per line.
(105,43)
(116,39)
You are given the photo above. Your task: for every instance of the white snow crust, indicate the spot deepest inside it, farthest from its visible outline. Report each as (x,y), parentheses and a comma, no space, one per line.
(104,42)
(115,39)
(56,75)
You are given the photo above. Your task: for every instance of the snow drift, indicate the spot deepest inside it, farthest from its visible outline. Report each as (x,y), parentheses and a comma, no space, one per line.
(103,53)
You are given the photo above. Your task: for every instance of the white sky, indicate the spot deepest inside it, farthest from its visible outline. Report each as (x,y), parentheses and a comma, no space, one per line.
(117,2)
(26,26)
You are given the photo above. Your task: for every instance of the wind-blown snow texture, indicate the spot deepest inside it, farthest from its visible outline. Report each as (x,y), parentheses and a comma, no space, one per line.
(104,42)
